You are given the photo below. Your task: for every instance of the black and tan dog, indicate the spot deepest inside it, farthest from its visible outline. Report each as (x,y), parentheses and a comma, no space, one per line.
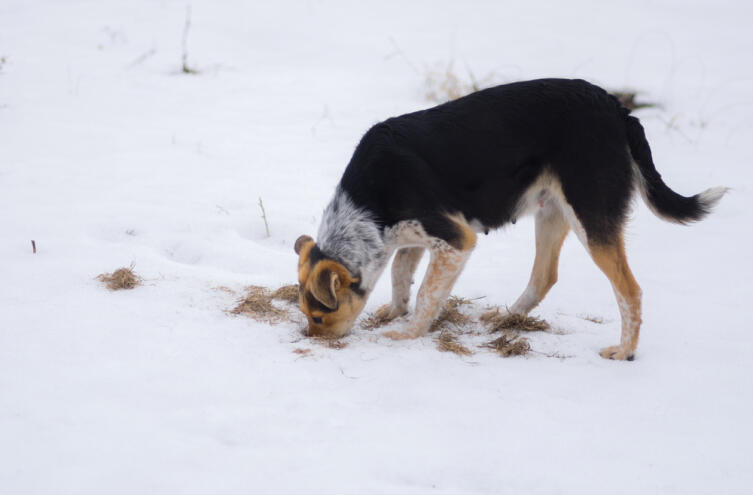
(563,150)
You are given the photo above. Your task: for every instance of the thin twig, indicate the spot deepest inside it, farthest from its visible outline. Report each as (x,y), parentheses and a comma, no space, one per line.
(264,216)
(186,68)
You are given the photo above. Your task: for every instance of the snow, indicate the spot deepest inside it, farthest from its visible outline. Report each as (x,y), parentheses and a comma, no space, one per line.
(111,156)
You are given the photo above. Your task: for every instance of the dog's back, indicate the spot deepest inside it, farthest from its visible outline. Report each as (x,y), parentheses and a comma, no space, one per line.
(479,154)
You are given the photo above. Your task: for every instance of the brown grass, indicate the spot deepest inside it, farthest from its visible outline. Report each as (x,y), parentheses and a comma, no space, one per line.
(509,344)
(287,293)
(448,342)
(122,278)
(497,321)
(451,314)
(444,84)
(258,305)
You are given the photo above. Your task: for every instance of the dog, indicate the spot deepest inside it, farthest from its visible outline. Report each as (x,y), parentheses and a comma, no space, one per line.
(563,150)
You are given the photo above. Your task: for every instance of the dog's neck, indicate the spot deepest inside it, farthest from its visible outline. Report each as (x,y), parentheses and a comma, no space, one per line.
(350,235)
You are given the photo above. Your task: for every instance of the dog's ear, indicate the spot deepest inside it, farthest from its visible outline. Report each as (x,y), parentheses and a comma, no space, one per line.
(325,288)
(300,242)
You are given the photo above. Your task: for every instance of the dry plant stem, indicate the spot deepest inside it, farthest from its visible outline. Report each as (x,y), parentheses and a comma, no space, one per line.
(185,67)
(33,247)
(264,216)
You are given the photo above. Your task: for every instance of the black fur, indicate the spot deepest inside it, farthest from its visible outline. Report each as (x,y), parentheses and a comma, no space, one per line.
(667,202)
(477,155)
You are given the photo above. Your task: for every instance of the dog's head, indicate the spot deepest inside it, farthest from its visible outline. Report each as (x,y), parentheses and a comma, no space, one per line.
(328,293)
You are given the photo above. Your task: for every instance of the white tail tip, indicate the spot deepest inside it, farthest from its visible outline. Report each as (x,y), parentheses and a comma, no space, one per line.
(710,197)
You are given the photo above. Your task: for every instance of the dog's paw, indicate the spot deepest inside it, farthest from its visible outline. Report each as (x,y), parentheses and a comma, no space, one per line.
(395,335)
(618,353)
(389,312)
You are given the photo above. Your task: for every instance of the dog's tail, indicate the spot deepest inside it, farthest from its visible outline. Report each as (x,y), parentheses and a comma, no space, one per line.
(663,201)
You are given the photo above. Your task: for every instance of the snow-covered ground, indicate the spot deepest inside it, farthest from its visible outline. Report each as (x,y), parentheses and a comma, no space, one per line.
(110,156)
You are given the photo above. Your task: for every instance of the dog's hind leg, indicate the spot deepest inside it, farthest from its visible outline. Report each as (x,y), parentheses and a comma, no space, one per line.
(611,259)
(551,230)
(609,255)
(403,267)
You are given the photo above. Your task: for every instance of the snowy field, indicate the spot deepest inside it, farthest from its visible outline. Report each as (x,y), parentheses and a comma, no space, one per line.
(109,156)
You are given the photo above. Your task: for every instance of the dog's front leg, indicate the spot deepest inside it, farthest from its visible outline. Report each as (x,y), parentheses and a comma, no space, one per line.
(403,268)
(445,266)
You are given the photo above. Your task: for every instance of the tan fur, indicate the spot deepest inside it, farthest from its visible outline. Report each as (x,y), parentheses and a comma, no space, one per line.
(403,267)
(303,249)
(444,268)
(468,237)
(554,218)
(327,278)
(551,230)
(613,262)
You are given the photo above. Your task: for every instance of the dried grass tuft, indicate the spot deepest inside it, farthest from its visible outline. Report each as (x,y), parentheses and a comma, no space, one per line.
(444,84)
(451,314)
(258,305)
(122,278)
(628,100)
(448,342)
(497,322)
(509,344)
(287,293)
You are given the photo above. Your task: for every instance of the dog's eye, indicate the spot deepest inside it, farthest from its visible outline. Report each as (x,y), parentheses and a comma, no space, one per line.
(316,319)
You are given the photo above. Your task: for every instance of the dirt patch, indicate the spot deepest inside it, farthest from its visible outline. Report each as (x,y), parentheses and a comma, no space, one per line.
(120,279)
(497,321)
